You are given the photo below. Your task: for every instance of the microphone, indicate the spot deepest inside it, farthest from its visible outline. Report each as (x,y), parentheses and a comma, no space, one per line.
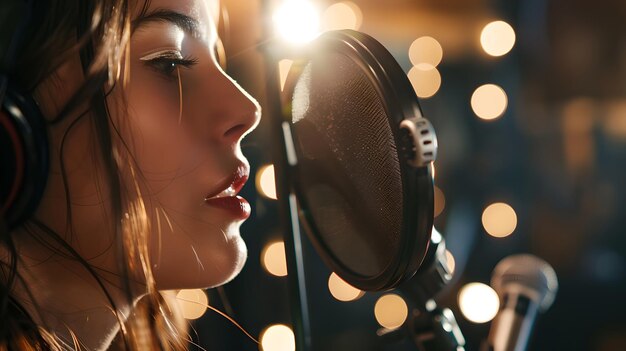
(526,285)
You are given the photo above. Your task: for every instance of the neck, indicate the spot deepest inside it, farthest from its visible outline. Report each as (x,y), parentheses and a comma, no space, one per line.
(63,297)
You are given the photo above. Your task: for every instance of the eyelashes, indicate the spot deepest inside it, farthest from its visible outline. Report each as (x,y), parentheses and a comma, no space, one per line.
(167,62)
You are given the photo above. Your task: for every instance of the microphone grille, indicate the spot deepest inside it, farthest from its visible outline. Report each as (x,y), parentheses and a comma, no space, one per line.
(349,174)
(528,273)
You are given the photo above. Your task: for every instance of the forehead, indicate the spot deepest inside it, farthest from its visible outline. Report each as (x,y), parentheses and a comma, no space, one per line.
(205,11)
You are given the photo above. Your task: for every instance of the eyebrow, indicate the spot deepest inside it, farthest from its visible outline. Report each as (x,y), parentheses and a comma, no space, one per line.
(188,24)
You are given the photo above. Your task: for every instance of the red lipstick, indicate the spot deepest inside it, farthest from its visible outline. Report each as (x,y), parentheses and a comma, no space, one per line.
(226,196)
(235,205)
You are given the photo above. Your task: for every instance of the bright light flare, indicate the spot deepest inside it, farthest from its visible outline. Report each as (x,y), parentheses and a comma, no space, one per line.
(297,21)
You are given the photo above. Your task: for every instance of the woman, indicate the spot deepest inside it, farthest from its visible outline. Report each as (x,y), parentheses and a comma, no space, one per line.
(144,135)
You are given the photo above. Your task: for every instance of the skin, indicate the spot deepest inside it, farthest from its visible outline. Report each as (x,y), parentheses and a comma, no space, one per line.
(180,159)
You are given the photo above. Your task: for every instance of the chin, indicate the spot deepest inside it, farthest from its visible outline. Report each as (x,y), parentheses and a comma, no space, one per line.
(213,267)
(233,266)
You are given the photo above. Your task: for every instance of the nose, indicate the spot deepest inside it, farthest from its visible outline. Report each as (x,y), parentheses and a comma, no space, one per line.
(233,112)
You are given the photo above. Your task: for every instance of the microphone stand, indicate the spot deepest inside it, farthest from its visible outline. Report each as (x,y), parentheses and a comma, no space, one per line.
(431,327)
(285,160)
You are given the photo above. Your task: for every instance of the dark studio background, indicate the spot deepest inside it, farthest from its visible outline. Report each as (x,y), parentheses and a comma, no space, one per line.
(557,156)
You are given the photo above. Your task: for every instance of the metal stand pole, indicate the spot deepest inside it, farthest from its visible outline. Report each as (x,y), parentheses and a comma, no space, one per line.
(284,162)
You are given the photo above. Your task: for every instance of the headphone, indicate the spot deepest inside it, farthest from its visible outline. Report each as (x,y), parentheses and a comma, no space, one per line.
(24,157)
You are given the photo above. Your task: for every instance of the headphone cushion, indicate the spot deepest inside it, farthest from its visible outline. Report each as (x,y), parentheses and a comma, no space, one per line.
(24,157)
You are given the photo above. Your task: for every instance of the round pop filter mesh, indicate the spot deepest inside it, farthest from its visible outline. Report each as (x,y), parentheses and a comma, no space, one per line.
(349,181)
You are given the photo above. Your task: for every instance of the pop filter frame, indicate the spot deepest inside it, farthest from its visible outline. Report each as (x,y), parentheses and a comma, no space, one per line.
(409,130)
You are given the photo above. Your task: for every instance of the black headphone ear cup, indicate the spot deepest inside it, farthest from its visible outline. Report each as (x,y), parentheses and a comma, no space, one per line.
(24,158)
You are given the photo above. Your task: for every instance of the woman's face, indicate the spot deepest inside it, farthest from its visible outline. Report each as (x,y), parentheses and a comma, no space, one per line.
(186,118)
(182,120)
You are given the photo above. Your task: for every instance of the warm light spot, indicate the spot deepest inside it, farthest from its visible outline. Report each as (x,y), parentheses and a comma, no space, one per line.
(440,201)
(450,261)
(391,311)
(297,21)
(615,122)
(579,125)
(283,70)
(425,50)
(342,15)
(497,38)
(489,101)
(499,220)
(278,337)
(426,80)
(193,303)
(432,169)
(341,290)
(274,260)
(265,182)
(479,303)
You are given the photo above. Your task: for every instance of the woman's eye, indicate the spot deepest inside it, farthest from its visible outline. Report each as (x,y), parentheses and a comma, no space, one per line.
(168,65)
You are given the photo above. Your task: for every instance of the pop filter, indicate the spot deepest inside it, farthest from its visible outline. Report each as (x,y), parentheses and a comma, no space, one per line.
(362,177)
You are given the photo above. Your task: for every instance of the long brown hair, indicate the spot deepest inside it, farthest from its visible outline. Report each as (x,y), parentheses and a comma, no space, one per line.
(99,32)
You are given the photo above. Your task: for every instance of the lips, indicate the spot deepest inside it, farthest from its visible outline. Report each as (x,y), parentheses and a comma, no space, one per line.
(226,197)
(231,186)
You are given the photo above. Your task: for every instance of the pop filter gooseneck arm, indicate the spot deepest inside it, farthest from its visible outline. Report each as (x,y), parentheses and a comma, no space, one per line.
(284,158)
(429,326)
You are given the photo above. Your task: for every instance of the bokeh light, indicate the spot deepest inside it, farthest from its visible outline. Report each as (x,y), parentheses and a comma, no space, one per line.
(297,21)
(499,220)
(450,261)
(274,259)
(341,290)
(497,38)
(391,311)
(479,303)
(440,201)
(489,101)
(425,80)
(342,15)
(614,124)
(278,337)
(283,70)
(193,302)
(425,52)
(266,182)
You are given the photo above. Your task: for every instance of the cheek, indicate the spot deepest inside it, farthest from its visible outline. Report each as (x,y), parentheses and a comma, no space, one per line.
(159,140)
